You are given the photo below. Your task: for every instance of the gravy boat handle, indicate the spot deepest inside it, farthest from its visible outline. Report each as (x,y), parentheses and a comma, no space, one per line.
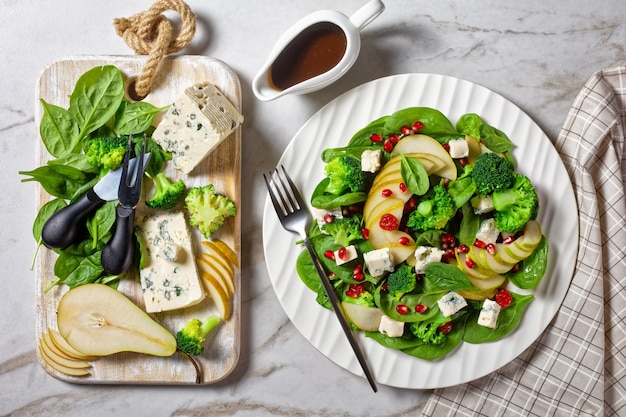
(367,13)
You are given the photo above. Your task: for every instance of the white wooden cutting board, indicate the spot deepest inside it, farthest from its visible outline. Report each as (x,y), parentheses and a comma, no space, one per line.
(222,169)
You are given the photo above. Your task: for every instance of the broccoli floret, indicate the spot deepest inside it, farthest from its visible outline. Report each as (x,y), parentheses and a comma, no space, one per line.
(344,173)
(166,194)
(363,298)
(492,172)
(207,209)
(401,281)
(515,206)
(190,338)
(428,331)
(106,153)
(432,213)
(345,230)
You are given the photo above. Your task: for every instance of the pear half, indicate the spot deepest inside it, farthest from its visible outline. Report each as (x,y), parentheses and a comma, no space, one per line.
(98,320)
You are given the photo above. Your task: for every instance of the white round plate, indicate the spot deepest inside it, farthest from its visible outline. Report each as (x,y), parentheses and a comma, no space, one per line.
(333,126)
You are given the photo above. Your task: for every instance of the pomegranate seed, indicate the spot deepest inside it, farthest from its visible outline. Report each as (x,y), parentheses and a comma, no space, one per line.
(503,298)
(404,241)
(403,188)
(463,162)
(508,240)
(470,262)
(448,256)
(357,268)
(448,240)
(388,146)
(330,255)
(384,287)
(516,268)
(418,125)
(491,248)
(394,139)
(388,222)
(406,130)
(386,192)
(420,308)
(332,275)
(463,249)
(410,205)
(445,328)
(479,244)
(402,309)
(343,253)
(376,138)
(366,233)
(329,218)
(352,294)
(358,289)
(446,147)
(358,276)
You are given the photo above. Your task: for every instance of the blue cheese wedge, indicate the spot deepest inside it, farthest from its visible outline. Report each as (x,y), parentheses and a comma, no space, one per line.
(391,327)
(195,124)
(378,262)
(169,277)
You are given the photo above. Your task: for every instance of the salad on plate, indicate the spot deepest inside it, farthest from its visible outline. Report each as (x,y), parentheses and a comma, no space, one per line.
(427,231)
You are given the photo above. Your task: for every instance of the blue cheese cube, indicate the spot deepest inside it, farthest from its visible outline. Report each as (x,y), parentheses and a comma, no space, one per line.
(195,124)
(458,148)
(378,262)
(482,204)
(370,160)
(451,303)
(350,255)
(390,327)
(488,232)
(489,313)
(425,255)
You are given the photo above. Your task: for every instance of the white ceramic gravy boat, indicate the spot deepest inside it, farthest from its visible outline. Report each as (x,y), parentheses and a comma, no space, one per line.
(262,85)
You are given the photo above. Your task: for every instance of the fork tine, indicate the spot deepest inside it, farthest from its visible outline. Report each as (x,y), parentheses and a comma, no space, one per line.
(299,203)
(277,206)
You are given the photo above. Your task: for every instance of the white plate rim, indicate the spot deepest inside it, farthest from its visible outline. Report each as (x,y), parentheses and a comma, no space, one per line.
(537,158)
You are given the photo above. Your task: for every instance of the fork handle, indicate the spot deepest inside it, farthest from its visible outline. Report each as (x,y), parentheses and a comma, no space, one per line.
(118,253)
(336,303)
(66,226)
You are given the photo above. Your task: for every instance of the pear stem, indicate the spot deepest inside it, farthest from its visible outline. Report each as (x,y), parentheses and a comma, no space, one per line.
(195,365)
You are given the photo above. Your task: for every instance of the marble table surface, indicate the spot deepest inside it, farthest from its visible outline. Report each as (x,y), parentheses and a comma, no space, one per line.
(537,53)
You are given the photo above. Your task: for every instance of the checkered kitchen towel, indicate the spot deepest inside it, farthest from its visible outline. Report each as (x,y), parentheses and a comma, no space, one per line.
(578,366)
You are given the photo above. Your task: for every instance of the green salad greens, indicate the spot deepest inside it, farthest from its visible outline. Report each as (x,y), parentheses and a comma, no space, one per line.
(427,231)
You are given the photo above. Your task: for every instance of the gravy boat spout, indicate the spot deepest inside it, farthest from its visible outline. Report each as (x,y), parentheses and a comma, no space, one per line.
(314,52)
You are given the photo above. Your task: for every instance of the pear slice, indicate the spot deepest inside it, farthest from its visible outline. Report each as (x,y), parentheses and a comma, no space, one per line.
(61,368)
(363,317)
(65,347)
(221,254)
(215,265)
(48,352)
(98,320)
(218,294)
(227,251)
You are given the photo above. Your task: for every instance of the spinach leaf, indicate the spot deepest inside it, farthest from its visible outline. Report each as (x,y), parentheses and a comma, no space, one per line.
(432,352)
(414,175)
(508,320)
(58,130)
(447,277)
(135,117)
(494,139)
(354,151)
(58,180)
(461,190)
(88,269)
(470,223)
(100,224)
(388,303)
(533,268)
(429,238)
(436,124)
(44,214)
(324,200)
(96,97)
(406,341)
(76,160)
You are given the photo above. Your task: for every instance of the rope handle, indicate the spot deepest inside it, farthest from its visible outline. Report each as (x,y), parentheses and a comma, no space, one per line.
(151,33)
